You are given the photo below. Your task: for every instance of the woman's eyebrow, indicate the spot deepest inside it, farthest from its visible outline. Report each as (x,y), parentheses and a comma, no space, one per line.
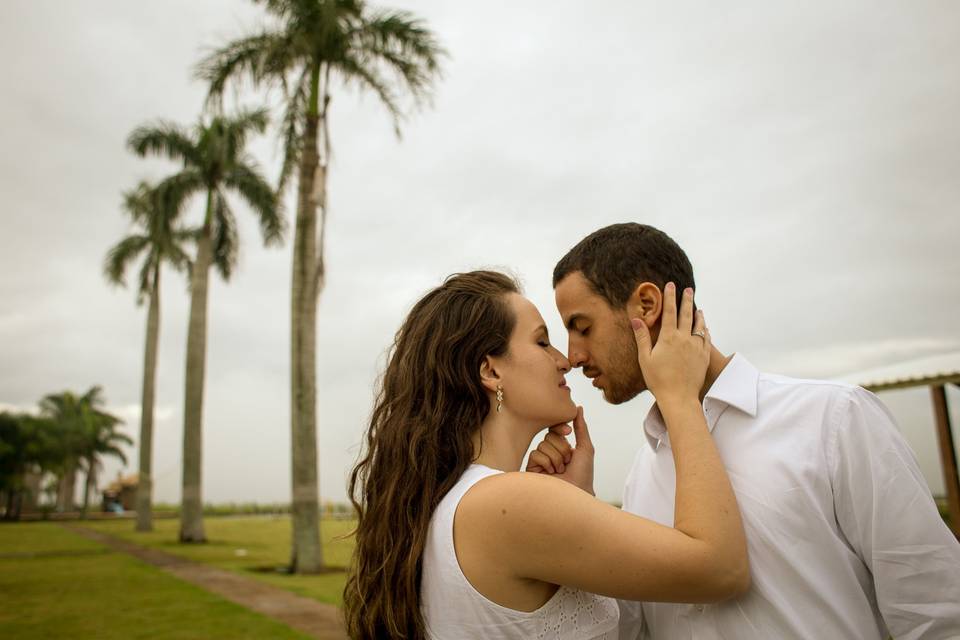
(543,328)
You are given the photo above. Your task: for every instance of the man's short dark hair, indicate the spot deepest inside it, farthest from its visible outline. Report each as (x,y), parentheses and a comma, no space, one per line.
(616,259)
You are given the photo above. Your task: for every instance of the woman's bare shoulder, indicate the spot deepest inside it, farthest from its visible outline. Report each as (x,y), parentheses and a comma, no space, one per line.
(513,498)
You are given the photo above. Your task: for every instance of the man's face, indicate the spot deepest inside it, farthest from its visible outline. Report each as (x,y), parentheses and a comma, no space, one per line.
(601,340)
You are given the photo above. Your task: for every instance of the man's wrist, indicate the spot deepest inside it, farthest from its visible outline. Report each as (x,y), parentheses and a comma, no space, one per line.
(678,404)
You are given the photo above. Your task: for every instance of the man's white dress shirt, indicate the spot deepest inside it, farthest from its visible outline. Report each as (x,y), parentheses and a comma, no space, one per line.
(844,538)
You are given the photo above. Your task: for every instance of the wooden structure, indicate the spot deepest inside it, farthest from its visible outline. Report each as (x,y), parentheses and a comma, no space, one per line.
(123,490)
(935,372)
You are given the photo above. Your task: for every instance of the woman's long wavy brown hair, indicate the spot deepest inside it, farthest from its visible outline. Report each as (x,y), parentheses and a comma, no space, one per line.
(419,442)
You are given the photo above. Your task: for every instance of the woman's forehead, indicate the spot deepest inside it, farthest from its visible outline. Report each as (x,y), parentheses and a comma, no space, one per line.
(528,316)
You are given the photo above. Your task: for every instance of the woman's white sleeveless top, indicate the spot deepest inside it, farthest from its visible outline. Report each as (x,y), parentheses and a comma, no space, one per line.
(453,609)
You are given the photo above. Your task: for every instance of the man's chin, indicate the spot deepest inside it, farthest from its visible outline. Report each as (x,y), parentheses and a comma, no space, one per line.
(619,396)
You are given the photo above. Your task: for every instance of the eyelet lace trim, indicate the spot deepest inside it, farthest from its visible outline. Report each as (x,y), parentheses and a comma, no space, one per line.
(573,614)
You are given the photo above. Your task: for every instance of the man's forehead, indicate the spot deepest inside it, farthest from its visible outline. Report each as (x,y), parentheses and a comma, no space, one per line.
(575,298)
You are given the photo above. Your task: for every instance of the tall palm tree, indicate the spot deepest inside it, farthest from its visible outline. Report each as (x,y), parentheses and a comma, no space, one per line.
(214,162)
(158,240)
(315,45)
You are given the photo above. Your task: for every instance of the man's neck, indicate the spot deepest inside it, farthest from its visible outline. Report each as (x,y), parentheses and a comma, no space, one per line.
(718,363)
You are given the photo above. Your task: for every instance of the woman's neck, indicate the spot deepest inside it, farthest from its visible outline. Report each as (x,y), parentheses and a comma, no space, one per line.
(502,441)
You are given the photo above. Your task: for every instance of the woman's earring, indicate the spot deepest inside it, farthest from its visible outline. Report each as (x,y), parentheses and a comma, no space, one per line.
(499,398)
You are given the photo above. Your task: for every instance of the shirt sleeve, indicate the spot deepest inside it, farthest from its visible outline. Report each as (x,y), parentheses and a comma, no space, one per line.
(886,513)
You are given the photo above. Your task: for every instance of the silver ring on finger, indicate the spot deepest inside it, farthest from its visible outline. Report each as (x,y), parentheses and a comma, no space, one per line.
(700,334)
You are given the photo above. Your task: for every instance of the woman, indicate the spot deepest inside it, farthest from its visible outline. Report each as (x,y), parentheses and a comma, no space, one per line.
(453,542)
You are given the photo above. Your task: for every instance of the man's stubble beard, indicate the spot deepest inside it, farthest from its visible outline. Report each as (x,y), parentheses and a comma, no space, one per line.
(623,375)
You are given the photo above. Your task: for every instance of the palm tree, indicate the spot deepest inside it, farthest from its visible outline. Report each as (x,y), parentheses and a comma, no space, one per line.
(316,44)
(99,437)
(30,446)
(159,241)
(62,410)
(214,161)
(73,418)
(17,456)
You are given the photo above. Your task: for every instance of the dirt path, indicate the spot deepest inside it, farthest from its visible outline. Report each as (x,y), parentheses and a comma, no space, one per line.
(316,619)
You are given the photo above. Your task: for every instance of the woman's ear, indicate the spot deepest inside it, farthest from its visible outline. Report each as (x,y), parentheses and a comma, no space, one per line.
(646,303)
(489,376)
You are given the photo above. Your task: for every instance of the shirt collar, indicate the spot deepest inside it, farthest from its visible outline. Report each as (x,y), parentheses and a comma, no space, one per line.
(736,386)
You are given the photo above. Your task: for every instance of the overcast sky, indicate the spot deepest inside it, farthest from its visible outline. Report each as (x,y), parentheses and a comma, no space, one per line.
(805,154)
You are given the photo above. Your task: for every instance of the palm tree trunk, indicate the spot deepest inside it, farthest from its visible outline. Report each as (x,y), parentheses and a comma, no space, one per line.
(89,485)
(191,512)
(32,480)
(144,504)
(67,488)
(306,553)
(18,504)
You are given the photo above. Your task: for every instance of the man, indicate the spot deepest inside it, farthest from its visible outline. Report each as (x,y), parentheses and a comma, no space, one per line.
(844,538)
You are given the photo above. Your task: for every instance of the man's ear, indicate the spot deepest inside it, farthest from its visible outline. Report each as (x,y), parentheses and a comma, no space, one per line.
(646,303)
(489,376)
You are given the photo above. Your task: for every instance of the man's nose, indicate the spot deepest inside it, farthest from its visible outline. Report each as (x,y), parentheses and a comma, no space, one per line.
(575,355)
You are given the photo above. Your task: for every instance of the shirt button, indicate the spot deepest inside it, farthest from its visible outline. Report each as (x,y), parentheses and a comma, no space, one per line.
(700,608)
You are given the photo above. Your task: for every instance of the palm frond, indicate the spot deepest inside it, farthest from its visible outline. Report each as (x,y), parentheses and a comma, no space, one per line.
(138,202)
(354,70)
(93,398)
(56,404)
(155,209)
(402,44)
(163,138)
(253,57)
(236,130)
(116,452)
(174,192)
(291,131)
(112,437)
(173,250)
(145,277)
(253,187)
(119,257)
(226,243)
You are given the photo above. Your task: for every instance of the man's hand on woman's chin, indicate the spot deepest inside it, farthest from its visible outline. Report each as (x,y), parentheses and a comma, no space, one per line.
(555,457)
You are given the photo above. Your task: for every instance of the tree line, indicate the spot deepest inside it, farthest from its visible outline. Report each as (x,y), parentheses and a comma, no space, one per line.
(68,435)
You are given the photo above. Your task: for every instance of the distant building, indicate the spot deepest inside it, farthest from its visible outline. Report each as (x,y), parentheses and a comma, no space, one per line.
(122,491)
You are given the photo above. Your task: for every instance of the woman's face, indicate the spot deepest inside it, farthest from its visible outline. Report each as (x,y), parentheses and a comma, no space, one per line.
(532,371)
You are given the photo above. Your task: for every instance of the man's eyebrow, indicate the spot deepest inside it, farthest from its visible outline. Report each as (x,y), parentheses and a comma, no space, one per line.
(572,320)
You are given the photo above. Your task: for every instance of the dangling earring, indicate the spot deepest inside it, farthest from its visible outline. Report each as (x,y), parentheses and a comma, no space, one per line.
(499,398)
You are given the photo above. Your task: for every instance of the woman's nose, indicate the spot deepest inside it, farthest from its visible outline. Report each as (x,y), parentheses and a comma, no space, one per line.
(562,363)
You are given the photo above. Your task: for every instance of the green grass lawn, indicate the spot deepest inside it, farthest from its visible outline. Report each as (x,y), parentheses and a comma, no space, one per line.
(55,584)
(254,546)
